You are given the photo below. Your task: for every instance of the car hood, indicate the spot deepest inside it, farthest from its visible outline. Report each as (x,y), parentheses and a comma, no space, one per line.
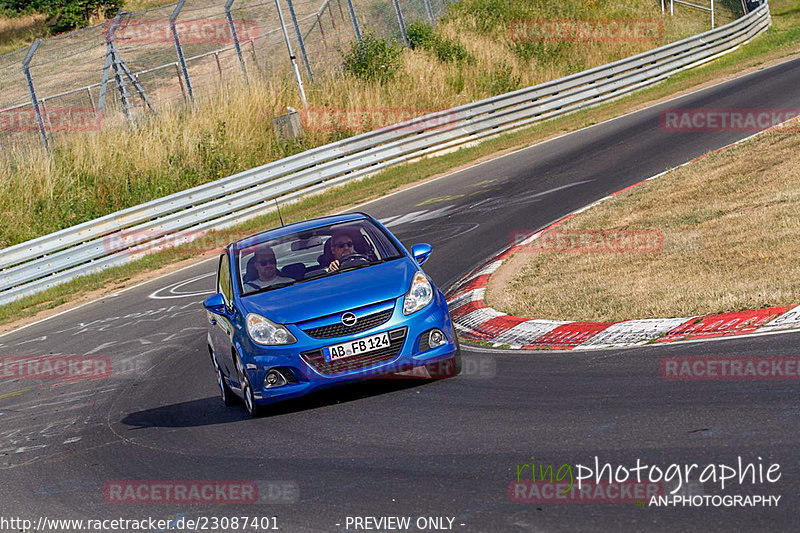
(333,294)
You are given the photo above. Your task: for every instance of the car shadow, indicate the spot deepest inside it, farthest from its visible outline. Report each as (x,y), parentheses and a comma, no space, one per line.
(211,411)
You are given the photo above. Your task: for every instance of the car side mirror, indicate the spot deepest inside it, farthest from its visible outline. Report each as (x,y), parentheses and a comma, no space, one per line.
(421,252)
(215,304)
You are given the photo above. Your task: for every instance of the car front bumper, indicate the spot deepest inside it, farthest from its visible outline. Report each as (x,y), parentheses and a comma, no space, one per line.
(308,377)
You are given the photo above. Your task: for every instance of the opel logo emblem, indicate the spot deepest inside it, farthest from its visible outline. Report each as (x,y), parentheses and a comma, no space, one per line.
(349,319)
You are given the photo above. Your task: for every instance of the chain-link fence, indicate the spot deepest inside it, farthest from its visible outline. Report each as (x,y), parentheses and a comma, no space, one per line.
(139,63)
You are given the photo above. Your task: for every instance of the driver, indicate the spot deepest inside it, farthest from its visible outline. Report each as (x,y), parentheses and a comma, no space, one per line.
(342,245)
(266,269)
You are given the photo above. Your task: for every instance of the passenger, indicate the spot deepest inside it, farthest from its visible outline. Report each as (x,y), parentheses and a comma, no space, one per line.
(262,270)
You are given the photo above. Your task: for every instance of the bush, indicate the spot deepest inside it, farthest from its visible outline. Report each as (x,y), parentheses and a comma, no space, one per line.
(374,60)
(63,15)
(499,80)
(422,36)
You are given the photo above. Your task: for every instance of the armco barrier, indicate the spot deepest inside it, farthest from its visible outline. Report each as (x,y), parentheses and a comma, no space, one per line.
(41,263)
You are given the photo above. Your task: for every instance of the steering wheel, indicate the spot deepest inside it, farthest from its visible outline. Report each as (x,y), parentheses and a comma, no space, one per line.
(353,260)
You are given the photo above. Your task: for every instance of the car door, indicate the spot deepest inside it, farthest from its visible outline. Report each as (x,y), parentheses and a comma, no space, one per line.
(221,327)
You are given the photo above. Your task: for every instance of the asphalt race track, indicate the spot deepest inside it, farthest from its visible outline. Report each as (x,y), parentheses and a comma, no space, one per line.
(413,447)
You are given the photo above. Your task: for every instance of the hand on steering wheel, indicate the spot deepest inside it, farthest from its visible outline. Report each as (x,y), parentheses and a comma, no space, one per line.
(336,264)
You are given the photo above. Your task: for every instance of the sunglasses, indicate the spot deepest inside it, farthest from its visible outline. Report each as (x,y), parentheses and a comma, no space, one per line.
(348,244)
(266,262)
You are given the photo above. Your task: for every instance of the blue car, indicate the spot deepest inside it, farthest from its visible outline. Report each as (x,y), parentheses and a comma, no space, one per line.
(322,302)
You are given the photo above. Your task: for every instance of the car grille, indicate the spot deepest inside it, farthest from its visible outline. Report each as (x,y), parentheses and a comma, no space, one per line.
(317,360)
(424,345)
(340,330)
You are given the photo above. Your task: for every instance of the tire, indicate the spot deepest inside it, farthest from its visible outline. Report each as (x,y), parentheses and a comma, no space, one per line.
(248,396)
(448,368)
(226,395)
(250,405)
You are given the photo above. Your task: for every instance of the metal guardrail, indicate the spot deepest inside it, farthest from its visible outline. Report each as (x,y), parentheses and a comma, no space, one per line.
(115,239)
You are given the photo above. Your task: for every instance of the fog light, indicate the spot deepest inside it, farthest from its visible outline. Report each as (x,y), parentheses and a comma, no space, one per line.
(436,338)
(274,379)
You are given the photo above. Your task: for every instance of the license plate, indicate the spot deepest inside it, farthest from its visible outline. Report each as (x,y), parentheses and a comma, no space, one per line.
(358,347)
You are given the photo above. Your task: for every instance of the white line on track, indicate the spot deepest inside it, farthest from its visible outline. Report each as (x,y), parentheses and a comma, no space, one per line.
(173,289)
(112,295)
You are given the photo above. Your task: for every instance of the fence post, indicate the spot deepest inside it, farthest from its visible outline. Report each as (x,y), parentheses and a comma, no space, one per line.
(180,80)
(401,22)
(300,40)
(341,11)
(353,18)
(115,64)
(333,22)
(291,55)
(712,14)
(430,12)
(178,49)
(137,86)
(91,99)
(235,37)
(321,31)
(104,84)
(26,63)
(219,65)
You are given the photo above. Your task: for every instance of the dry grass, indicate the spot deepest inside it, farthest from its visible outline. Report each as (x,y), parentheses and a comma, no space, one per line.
(92,174)
(16,32)
(730,225)
(139,5)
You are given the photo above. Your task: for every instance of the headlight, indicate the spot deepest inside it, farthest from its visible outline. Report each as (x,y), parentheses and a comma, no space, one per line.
(264,331)
(419,295)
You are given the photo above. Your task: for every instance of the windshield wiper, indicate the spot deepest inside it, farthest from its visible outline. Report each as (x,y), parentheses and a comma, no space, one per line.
(271,287)
(356,267)
(377,262)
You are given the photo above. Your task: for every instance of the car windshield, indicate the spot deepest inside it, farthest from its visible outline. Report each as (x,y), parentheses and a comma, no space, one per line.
(312,254)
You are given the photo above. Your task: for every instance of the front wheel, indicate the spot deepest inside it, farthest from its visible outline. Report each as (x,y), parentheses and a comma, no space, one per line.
(248,395)
(226,395)
(250,405)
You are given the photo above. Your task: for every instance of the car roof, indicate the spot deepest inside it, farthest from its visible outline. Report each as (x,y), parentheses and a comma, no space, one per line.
(297,227)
